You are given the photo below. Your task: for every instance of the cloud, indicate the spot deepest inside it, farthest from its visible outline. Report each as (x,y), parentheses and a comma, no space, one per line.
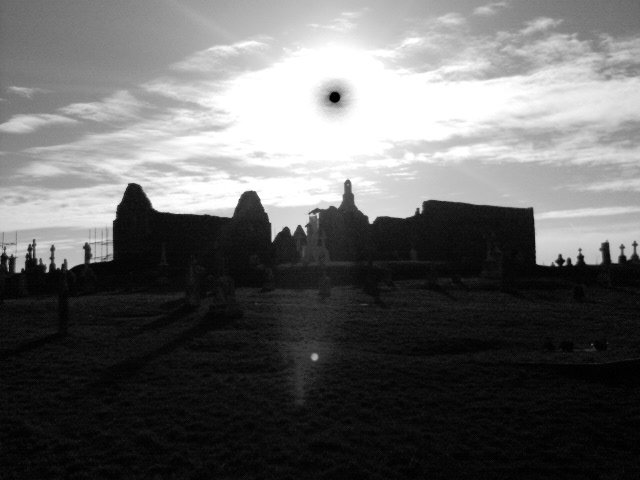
(30,123)
(25,92)
(345,22)
(586,212)
(540,24)
(210,59)
(119,106)
(451,20)
(490,9)
(621,185)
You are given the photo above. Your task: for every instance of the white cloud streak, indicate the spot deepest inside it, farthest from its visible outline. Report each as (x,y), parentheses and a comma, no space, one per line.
(490,9)
(25,92)
(117,107)
(29,123)
(587,212)
(345,22)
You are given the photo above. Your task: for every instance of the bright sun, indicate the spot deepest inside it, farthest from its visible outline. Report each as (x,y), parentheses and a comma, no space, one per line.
(287,108)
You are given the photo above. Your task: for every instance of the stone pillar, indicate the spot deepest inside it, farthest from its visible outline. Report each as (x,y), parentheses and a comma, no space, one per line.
(12,264)
(606,254)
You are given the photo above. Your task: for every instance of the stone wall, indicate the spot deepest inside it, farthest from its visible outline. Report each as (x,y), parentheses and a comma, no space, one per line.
(139,231)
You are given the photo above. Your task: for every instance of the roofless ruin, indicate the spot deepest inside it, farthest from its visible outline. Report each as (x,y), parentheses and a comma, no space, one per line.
(451,232)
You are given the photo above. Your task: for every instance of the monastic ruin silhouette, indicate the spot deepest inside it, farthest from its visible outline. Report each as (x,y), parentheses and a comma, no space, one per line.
(451,232)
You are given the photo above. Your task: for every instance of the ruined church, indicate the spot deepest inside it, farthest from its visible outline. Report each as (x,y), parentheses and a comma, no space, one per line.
(451,232)
(143,236)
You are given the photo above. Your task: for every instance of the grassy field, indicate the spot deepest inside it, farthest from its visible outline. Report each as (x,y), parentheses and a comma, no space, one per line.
(436,385)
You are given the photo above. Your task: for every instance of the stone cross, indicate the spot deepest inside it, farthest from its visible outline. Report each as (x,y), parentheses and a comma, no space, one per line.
(28,257)
(622,258)
(634,257)
(52,265)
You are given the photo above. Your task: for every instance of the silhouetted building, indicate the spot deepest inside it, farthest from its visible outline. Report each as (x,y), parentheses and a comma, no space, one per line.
(139,231)
(346,230)
(459,233)
(450,232)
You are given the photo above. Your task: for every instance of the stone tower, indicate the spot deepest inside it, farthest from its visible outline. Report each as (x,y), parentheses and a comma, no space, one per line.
(348,203)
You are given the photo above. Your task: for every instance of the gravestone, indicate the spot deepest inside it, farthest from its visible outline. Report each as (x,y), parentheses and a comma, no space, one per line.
(52,265)
(27,258)
(606,254)
(559,261)
(580,257)
(634,258)
(569,262)
(622,259)
(224,305)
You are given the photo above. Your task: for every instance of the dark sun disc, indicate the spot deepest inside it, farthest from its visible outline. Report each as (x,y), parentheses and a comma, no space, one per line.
(334,97)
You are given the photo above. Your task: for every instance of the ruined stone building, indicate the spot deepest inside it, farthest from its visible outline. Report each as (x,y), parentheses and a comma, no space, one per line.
(449,232)
(458,233)
(140,233)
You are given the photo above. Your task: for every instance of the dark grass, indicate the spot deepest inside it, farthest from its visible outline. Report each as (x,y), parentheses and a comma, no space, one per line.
(433,386)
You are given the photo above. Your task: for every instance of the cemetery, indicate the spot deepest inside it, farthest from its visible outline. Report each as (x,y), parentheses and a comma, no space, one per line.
(317,355)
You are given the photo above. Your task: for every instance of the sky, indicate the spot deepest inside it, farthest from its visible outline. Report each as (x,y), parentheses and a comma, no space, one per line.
(520,103)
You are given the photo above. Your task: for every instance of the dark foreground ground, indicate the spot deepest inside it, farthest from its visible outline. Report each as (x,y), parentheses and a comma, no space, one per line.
(435,386)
